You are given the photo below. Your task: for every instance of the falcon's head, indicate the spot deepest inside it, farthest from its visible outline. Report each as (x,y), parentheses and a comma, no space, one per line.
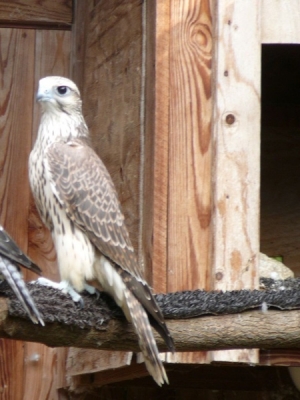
(57,94)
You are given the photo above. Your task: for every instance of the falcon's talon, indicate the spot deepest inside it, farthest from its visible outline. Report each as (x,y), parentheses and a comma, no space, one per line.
(67,288)
(80,303)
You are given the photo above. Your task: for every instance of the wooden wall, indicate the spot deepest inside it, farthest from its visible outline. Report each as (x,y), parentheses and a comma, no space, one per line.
(172,98)
(29,49)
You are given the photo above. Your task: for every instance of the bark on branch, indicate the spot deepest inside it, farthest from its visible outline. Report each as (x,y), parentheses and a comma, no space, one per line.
(100,324)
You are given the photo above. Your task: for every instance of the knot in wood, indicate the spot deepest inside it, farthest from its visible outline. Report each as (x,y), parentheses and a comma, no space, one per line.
(230,119)
(219,276)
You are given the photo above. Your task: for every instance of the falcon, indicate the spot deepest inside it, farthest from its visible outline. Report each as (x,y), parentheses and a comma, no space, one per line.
(10,255)
(77,201)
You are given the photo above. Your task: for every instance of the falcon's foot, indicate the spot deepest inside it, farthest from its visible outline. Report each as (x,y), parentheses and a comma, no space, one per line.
(64,286)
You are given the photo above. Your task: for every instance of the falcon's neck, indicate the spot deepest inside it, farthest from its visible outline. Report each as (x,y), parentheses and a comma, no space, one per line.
(61,126)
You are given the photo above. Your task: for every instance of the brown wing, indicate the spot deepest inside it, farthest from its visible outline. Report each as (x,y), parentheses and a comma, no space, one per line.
(84,188)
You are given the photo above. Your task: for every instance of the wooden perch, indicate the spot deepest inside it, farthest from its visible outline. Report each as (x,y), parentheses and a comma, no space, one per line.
(100,324)
(254,329)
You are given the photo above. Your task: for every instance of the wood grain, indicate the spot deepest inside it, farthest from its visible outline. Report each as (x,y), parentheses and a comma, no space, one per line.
(236,131)
(45,53)
(189,191)
(44,371)
(281,357)
(236,145)
(182,151)
(280,21)
(160,135)
(48,13)
(82,361)
(16,97)
(16,124)
(111,97)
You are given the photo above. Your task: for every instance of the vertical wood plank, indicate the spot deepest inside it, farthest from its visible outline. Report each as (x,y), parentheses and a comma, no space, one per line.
(236,168)
(80,30)
(111,97)
(161,55)
(183,150)
(280,21)
(16,94)
(17,80)
(189,203)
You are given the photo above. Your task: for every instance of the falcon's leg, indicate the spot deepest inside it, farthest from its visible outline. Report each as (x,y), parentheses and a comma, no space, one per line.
(64,286)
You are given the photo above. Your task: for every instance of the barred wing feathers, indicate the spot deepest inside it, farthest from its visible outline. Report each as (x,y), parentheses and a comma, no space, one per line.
(10,254)
(85,190)
(10,250)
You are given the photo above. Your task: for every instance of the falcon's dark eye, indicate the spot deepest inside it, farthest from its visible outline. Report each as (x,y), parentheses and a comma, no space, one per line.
(62,90)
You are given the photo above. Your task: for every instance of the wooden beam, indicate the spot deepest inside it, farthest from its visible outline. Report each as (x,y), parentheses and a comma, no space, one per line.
(34,13)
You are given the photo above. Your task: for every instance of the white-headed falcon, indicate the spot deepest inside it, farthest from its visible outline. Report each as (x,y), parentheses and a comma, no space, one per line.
(10,255)
(77,201)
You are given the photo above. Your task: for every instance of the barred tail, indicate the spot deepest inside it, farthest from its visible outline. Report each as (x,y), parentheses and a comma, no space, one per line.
(16,282)
(142,327)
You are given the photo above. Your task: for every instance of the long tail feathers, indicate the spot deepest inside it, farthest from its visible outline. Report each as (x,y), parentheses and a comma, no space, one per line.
(142,327)
(16,282)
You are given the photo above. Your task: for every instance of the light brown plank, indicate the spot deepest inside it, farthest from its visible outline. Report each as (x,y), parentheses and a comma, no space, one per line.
(236,150)
(280,21)
(56,13)
(44,372)
(82,361)
(187,112)
(160,135)
(11,372)
(189,197)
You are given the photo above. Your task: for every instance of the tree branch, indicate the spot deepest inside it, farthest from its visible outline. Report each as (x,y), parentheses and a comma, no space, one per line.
(100,324)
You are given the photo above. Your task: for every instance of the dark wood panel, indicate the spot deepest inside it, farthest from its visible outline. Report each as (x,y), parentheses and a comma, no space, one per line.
(16,96)
(112,93)
(192,382)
